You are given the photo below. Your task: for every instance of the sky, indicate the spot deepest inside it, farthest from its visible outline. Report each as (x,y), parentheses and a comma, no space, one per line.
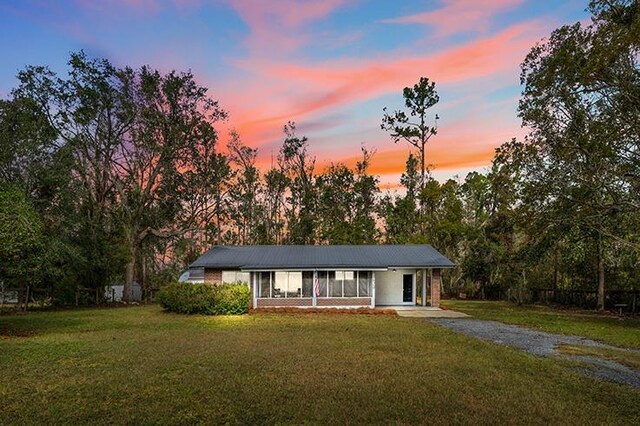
(329,65)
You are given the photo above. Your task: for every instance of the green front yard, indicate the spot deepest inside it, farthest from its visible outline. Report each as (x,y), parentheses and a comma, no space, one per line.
(141,365)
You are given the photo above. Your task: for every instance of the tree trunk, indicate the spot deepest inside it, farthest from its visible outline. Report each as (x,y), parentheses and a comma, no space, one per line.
(422,175)
(555,275)
(143,278)
(218,233)
(127,293)
(555,270)
(600,305)
(26,299)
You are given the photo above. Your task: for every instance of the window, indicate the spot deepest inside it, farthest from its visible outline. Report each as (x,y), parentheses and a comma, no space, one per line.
(294,287)
(196,274)
(279,284)
(235,277)
(287,284)
(364,283)
(322,283)
(307,284)
(335,283)
(349,284)
(292,284)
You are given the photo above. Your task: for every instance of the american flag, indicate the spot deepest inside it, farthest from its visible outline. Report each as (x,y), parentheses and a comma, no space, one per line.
(316,285)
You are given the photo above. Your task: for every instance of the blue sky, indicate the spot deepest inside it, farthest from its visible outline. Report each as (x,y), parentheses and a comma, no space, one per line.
(331,66)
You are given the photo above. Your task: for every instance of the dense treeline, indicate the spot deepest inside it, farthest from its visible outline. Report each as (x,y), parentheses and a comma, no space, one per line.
(116,174)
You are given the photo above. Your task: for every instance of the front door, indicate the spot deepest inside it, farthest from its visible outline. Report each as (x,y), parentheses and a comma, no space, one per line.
(407,288)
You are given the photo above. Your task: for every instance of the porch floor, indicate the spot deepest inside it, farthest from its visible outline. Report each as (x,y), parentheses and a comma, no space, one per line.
(425,312)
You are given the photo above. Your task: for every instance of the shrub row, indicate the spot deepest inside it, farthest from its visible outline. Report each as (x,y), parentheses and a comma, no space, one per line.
(221,299)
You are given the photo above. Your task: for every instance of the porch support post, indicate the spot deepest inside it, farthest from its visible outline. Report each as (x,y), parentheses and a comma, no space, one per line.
(424,287)
(314,298)
(254,282)
(436,280)
(373,289)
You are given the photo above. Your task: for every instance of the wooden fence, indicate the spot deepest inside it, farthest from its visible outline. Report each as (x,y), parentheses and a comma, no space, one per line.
(588,298)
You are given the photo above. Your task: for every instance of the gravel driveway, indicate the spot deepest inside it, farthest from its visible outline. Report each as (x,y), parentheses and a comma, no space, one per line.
(544,344)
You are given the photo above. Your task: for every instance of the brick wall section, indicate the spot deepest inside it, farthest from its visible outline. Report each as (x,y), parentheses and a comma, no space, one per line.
(344,301)
(307,301)
(212,276)
(436,285)
(282,302)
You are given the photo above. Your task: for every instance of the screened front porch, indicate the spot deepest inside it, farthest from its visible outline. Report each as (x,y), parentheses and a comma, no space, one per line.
(296,288)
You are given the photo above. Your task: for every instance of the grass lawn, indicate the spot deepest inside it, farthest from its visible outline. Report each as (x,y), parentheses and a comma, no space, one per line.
(607,328)
(141,365)
(630,359)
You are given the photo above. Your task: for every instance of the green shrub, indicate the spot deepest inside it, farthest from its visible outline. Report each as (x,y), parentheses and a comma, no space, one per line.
(222,299)
(232,299)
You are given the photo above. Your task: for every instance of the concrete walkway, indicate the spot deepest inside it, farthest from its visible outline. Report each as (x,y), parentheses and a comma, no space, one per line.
(426,312)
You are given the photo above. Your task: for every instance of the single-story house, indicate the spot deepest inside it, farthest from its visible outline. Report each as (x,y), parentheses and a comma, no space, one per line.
(329,275)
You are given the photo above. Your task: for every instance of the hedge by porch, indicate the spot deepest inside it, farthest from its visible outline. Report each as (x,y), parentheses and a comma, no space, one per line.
(220,299)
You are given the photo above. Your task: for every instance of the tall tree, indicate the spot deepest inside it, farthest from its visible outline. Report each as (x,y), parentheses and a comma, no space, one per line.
(91,111)
(444,222)
(275,186)
(162,188)
(143,149)
(246,190)
(413,125)
(336,200)
(366,191)
(400,214)
(21,241)
(27,142)
(581,100)
(298,165)
(347,203)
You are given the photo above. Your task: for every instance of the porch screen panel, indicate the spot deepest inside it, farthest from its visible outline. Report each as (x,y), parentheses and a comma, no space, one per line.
(350,286)
(335,283)
(322,281)
(264,281)
(280,284)
(294,287)
(307,284)
(364,283)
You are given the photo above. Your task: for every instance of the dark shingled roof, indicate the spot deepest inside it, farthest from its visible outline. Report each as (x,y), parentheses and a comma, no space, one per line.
(322,257)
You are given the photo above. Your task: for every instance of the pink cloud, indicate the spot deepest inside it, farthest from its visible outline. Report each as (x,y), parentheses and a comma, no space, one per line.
(289,91)
(457,16)
(276,26)
(269,86)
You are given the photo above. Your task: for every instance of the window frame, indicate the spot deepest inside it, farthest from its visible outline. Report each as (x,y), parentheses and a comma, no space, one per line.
(324,280)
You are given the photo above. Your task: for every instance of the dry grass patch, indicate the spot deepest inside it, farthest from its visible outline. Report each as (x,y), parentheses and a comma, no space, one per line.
(625,357)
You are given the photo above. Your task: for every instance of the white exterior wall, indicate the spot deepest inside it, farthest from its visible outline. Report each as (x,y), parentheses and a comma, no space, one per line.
(389,287)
